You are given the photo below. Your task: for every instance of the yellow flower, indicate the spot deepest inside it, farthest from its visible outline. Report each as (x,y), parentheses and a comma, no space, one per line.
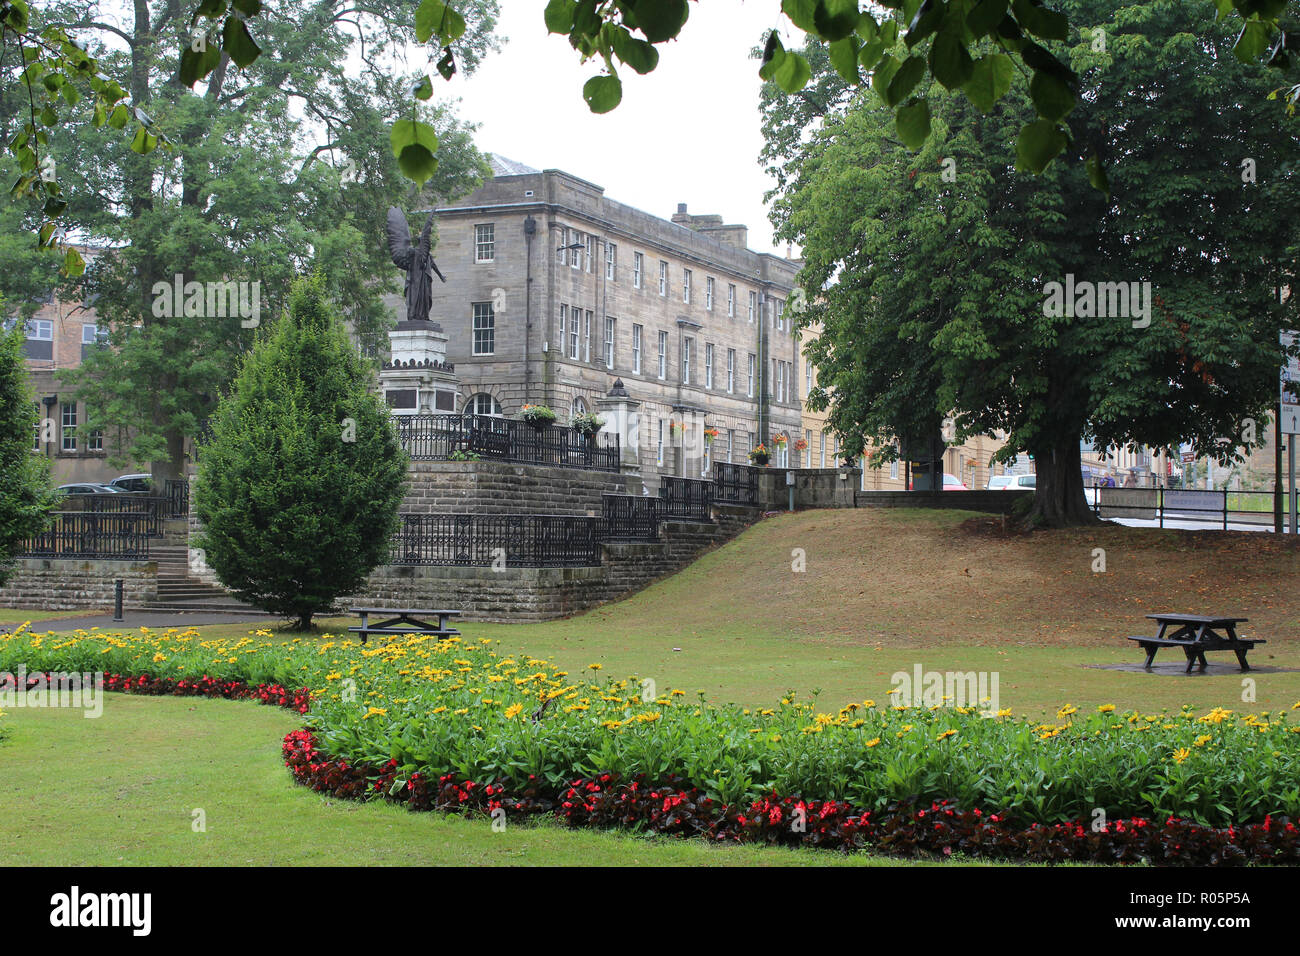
(873,742)
(1181,754)
(1067,710)
(946,733)
(594,667)
(373,711)
(1106,708)
(514,710)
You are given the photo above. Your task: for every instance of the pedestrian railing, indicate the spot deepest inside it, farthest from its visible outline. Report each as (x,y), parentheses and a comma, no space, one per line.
(439,437)
(1195,505)
(91,534)
(686,499)
(529,541)
(735,484)
(629,517)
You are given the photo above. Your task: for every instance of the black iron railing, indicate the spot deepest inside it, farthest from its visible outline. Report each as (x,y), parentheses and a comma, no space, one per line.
(630,517)
(735,484)
(687,499)
(507,541)
(90,534)
(177,493)
(438,437)
(151,510)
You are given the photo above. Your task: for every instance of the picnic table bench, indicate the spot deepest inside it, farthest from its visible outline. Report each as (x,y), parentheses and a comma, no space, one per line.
(1196,634)
(404,621)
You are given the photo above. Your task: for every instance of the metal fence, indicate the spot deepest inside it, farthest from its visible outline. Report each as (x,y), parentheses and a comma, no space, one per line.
(630,517)
(152,510)
(521,541)
(687,499)
(1185,505)
(438,437)
(735,484)
(91,534)
(177,493)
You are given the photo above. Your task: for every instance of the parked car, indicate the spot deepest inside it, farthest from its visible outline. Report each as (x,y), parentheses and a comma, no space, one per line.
(133,483)
(950,483)
(88,488)
(1012,483)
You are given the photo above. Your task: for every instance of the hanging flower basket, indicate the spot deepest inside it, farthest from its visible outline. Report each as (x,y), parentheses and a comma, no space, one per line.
(588,423)
(759,456)
(709,435)
(539,416)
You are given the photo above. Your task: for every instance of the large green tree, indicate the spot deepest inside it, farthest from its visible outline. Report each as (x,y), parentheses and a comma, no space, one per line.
(282,163)
(26,494)
(299,488)
(939,39)
(937,268)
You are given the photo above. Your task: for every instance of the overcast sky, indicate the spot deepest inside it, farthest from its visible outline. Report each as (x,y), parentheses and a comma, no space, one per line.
(687,132)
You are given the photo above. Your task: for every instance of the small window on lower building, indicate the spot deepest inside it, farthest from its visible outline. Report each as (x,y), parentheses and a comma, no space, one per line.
(69,422)
(483,404)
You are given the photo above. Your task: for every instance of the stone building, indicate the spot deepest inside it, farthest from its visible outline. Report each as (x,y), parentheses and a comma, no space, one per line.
(555,292)
(59,335)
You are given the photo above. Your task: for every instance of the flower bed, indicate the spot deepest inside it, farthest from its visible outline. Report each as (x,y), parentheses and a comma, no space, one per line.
(408,719)
(904,830)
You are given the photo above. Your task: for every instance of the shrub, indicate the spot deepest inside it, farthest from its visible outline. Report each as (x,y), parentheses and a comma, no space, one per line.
(299,488)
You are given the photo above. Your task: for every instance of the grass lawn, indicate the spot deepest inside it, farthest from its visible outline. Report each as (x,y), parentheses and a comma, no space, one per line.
(883,591)
(120,790)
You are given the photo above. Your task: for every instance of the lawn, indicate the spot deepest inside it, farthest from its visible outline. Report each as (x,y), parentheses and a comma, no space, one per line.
(883,592)
(121,790)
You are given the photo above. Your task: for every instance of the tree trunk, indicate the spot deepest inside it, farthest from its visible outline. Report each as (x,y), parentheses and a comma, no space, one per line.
(304,621)
(1059,501)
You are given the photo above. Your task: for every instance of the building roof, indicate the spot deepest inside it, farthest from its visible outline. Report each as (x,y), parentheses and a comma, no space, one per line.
(501,166)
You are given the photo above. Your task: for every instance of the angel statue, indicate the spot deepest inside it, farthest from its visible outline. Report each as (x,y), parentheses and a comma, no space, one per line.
(414,259)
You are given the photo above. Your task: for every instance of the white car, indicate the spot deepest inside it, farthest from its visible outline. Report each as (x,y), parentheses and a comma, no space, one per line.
(1012,483)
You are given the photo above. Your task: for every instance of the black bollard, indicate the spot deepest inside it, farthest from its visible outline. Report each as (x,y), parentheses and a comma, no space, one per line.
(117,602)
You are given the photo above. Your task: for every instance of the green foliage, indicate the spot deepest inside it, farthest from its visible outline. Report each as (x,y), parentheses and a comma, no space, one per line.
(26,494)
(298,489)
(282,166)
(935,267)
(942,36)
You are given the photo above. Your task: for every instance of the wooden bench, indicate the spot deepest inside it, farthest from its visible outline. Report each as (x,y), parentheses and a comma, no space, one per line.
(1196,634)
(402,621)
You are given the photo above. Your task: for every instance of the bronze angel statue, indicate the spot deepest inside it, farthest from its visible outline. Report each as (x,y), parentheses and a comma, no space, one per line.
(413,258)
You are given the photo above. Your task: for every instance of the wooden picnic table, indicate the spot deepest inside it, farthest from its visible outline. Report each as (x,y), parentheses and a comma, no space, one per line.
(1196,634)
(404,620)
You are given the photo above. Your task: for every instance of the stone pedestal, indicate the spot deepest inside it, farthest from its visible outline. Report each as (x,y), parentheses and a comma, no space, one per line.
(417,379)
(622,419)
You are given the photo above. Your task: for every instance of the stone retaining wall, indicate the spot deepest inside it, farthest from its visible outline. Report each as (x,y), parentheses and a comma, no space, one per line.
(993,502)
(494,487)
(66,585)
(541,594)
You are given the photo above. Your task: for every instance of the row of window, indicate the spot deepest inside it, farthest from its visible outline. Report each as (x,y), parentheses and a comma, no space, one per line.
(42,330)
(577,252)
(68,433)
(575,343)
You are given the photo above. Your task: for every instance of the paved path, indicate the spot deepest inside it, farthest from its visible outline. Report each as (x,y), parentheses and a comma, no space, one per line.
(155,620)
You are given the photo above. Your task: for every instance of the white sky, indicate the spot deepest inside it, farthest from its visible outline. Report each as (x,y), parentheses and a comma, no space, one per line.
(687,132)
